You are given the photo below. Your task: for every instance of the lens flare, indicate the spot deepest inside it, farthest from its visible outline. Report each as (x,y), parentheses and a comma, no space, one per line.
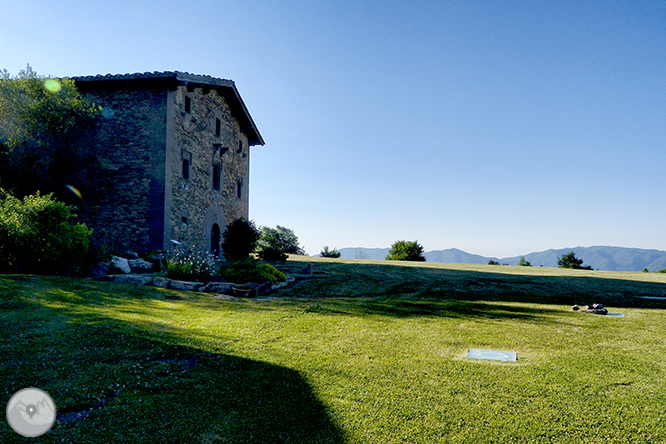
(73,189)
(52,85)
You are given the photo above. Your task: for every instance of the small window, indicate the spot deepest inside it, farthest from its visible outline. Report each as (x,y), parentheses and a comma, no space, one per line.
(188,105)
(218,127)
(239,188)
(187,160)
(216,176)
(240,147)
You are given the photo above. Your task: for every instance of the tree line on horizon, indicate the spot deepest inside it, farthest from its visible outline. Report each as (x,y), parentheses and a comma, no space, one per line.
(413,251)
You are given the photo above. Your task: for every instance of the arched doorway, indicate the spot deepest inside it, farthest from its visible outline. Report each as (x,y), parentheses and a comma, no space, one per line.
(215,240)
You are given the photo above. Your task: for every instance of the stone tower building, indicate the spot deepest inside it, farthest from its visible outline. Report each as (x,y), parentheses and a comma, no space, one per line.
(176,151)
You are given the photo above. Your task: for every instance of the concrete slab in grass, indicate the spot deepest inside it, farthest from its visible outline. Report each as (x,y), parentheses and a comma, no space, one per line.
(492,355)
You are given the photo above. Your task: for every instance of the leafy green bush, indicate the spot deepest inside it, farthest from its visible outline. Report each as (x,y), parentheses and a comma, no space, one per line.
(239,240)
(569,260)
(334,253)
(406,251)
(251,271)
(524,262)
(189,267)
(38,235)
(275,244)
(274,275)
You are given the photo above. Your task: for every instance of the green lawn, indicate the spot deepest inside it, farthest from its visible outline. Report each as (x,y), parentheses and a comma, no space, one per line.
(373,352)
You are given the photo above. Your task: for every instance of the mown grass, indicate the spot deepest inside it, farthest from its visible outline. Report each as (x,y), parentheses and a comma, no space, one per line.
(371,353)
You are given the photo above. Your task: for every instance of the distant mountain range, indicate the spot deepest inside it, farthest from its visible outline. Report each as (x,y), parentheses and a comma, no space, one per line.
(599,258)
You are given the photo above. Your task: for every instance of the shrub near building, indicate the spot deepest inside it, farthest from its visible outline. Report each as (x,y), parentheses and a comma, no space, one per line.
(252,271)
(196,267)
(239,240)
(38,235)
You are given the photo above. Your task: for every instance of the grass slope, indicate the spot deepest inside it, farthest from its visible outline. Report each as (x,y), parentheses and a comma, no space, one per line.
(370,353)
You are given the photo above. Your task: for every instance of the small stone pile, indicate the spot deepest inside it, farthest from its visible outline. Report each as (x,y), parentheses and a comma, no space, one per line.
(594,309)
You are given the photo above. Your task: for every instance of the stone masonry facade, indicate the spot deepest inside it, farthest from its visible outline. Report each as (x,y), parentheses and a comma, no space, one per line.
(176,152)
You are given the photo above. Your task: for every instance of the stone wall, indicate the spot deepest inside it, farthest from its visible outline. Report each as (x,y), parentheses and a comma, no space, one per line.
(131,142)
(147,132)
(203,133)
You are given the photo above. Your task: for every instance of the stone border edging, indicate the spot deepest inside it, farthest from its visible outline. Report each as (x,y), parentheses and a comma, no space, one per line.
(257,289)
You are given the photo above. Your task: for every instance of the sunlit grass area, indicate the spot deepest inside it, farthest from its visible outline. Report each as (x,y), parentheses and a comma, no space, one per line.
(363,353)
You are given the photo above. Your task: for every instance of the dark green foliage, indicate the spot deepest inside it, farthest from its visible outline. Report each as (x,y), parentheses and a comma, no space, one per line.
(46,137)
(189,267)
(334,253)
(239,240)
(276,243)
(523,262)
(492,262)
(406,251)
(662,271)
(38,235)
(271,254)
(274,275)
(569,260)
(251,271)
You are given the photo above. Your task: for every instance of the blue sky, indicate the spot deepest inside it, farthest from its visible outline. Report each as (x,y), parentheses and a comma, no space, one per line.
(499,128)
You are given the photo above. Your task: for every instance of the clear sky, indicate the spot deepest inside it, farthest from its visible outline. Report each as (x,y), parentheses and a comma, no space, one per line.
(496,127)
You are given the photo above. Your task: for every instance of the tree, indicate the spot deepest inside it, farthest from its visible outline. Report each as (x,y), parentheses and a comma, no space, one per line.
(523,262)
(277,243)
(406,251)
(239,240)
(569,260)
(334,253)
(45,130)
(360,254)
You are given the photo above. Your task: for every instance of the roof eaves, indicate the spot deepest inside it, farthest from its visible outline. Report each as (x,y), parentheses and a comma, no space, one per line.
(190,80)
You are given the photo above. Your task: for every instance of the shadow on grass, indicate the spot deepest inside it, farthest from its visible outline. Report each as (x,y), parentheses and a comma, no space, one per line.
(375,280)
(149,385)
(404,308)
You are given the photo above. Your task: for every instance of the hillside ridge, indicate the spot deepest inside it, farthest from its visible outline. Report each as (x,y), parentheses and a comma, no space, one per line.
(607,258)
